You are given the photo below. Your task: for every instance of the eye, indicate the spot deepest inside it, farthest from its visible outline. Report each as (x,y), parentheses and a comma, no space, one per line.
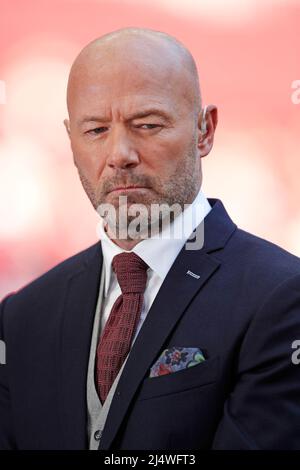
(96,131)
(149,126)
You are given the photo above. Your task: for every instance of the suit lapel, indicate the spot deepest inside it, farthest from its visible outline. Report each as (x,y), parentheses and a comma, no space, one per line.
(79,310)
(174,296)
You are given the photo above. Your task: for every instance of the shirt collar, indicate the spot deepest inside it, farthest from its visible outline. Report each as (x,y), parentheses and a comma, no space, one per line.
(159,252)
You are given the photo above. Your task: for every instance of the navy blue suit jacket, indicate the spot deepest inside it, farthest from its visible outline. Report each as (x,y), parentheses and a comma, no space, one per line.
(243,312)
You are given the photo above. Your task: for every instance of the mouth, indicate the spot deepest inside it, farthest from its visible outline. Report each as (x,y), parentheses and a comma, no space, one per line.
(127,189)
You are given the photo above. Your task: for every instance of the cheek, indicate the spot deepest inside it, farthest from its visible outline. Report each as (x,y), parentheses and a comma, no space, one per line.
(165,153)
(87,159)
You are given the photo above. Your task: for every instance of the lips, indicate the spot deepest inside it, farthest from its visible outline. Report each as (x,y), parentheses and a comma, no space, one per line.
(127,188)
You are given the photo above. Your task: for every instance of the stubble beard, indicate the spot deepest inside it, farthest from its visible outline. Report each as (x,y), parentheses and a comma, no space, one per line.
(180,189)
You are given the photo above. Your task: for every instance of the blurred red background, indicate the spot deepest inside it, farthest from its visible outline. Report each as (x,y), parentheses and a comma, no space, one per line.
(248,60)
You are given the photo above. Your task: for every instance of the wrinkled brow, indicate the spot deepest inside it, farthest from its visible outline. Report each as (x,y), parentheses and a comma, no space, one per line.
(138,115)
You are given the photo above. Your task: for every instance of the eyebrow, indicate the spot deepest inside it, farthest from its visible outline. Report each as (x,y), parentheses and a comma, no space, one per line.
(141,114)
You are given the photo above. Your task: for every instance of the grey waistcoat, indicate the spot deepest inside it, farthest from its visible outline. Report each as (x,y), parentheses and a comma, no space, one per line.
(97,412)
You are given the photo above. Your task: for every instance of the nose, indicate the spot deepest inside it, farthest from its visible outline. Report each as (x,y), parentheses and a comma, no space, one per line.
(121,152)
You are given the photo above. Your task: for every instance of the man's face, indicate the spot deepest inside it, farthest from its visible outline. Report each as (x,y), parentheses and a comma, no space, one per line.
(132,124)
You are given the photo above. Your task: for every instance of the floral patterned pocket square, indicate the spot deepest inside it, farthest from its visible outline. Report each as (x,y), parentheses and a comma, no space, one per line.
(175,359)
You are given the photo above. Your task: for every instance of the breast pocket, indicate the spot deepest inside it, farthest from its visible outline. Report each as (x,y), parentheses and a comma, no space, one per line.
(202,374)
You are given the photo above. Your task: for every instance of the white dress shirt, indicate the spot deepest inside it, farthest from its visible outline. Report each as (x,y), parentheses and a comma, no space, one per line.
(159,253)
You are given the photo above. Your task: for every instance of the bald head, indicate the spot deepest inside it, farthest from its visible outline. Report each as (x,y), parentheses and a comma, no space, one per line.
(135,121)
(137,54)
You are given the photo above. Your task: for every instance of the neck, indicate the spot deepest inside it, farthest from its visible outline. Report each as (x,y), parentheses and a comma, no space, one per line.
(128,243)
(125,244)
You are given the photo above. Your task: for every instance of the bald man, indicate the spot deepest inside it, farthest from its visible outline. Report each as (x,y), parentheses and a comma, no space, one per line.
(147,340)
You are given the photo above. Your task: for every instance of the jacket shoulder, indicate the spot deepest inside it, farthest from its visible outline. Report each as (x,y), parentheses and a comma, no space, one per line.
(263,258)
(57,273)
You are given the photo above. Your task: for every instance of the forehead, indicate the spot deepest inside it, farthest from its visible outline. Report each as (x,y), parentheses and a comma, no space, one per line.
(130,83)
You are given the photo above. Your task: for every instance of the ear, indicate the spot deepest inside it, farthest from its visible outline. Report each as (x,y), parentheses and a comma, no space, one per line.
(67,126)
(208,122)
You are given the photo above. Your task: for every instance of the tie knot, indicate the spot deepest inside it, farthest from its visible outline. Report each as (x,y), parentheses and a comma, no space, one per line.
(131,272)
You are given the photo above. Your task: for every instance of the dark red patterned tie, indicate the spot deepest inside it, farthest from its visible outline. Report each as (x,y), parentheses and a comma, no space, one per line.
(115,341)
